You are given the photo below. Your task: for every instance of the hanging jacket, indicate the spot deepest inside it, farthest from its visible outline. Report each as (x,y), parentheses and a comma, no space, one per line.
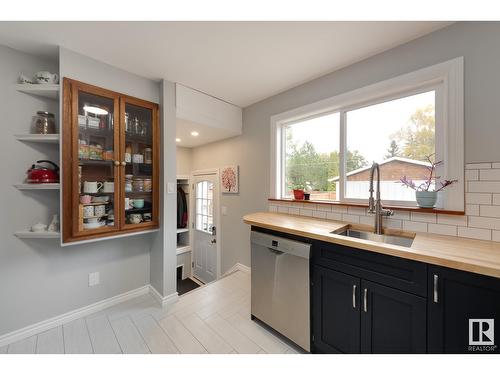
(182,214)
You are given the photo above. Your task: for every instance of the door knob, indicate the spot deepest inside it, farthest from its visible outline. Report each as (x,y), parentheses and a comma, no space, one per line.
(117,163)
(124,163)
(213,241)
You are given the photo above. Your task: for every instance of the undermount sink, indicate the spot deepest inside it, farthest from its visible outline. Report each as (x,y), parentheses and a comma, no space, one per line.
(393,240)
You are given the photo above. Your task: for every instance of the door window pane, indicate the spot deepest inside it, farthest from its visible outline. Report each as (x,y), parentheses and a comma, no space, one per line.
(204,204)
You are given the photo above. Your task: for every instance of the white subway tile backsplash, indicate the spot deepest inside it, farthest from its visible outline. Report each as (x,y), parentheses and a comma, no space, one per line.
(496,199)
(483,187)
(484,222)
(427,218)
(340,209)
(495,235)
(478,198)
(294,211)
(392,223)
(448,230)
(452,219)
(356,211)
(273,208)
(489,174)
(489,211)
(334,216)
(472,209)
(283,209)
(495,165)
(324,207)
(414,226)
(367,220)
(320,214)
(401,215)
(472,175)
(350,218)
(306,212)
(478,166)
(478,234)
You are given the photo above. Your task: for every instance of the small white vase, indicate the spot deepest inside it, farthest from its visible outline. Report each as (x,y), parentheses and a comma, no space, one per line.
(426,199)
(54,224)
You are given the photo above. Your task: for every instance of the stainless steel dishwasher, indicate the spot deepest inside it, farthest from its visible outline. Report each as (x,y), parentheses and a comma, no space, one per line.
(280,285)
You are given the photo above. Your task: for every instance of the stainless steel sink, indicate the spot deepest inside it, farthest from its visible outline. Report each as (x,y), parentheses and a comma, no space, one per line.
(393,240)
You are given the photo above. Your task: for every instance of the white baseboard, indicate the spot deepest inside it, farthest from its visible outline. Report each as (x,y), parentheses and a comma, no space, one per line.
(163,301)
(237,267)
(37,328)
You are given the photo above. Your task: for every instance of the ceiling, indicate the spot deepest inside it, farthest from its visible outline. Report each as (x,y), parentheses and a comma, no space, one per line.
(239,62)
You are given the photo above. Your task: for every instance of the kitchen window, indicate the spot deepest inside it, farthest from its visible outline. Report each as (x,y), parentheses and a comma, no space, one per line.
(327,148)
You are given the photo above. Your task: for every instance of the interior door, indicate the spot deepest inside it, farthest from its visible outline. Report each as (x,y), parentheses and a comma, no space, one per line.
(392,321)
(205,228)
(335,311)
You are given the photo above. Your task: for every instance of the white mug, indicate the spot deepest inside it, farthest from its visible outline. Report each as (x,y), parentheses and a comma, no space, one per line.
(92,186)
(99,210)
(109,187)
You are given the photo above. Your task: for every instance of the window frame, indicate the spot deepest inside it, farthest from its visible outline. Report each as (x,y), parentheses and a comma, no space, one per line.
(446,79)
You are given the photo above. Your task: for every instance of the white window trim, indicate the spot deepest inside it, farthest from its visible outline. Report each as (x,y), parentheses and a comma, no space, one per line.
(448,76)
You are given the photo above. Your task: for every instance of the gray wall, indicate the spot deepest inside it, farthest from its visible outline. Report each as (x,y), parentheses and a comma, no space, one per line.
(476,41)
(38,278)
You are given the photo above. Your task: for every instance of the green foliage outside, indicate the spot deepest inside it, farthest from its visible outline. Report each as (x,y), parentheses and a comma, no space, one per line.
(308,169)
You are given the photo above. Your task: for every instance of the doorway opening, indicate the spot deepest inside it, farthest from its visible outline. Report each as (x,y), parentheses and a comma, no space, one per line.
(186,285)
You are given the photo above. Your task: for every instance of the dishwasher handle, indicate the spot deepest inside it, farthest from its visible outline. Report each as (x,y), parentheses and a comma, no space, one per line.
(274,251)
(281,245)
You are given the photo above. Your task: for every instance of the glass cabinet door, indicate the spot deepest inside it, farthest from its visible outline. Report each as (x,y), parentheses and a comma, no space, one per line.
(140,173)
(96,167)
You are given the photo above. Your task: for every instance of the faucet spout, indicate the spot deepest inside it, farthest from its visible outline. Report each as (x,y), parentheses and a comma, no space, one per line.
(375,204)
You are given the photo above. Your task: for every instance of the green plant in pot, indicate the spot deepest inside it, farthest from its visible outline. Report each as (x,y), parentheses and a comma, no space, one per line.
(298,191)
(426,192)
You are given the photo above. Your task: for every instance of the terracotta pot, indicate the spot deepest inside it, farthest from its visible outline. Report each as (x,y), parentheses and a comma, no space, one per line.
(298,194)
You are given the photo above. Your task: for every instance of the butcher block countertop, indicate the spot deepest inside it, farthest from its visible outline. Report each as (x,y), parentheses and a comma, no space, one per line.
(477,256)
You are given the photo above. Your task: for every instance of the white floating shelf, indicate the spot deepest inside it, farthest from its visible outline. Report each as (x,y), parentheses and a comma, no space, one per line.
(50,91)
(47,186)
(30,234)
(41,138)
(181,249)
(182,230)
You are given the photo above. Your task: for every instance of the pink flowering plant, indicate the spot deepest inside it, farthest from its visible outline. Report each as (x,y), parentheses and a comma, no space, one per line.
(427,185)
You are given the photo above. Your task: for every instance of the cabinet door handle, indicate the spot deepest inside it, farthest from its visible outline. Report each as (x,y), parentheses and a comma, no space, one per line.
(436,295)
(365,300)
(124,163)
(117,163)
(354,296)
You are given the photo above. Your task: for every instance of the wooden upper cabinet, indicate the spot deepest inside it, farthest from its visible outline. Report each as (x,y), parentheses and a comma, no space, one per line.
(110,163)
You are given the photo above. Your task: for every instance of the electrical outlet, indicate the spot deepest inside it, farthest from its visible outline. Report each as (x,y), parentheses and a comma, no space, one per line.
(224,210)
(93,278)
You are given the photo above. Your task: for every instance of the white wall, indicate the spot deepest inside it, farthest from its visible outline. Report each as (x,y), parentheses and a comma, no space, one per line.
(38,278)
(476,41)
(184,162)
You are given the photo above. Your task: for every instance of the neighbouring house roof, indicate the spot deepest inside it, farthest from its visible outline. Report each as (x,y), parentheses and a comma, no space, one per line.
(390,160)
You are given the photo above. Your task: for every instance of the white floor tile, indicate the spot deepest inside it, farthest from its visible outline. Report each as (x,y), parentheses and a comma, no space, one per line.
(51,341)
(76,338)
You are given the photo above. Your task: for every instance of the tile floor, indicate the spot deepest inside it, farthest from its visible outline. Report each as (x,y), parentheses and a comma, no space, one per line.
(214,318)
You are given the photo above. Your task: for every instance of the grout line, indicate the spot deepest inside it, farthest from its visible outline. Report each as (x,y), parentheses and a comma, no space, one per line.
(114,333)
(88,333)
(140,333)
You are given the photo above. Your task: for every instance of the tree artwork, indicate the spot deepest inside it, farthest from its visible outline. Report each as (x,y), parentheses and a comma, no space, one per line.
(229,180)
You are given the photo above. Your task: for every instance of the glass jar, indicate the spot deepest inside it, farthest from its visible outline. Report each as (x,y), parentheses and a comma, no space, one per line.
(148,185)
(128,183)
(44,123)
(148,156)
(138,184)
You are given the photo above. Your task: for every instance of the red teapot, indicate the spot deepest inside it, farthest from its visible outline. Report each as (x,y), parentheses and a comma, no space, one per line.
(39,174)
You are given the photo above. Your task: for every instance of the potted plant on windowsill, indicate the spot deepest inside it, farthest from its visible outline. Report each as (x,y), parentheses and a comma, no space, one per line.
(426,192)
(298,192)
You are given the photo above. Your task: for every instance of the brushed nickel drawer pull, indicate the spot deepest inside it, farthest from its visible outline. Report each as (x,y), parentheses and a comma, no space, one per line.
(354,296)
(436,296)
(365,300)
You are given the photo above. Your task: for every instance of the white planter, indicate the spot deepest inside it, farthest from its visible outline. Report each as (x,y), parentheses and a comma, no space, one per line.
(426,199)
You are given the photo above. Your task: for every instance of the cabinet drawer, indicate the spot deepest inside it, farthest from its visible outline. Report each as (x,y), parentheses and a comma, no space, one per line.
(403,274)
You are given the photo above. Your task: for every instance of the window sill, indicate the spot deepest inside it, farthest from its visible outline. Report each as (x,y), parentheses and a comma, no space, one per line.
(401,208)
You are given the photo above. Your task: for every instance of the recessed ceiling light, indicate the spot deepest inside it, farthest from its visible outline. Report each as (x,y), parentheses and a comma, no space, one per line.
(95,110)
(195,134)
(177,140)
